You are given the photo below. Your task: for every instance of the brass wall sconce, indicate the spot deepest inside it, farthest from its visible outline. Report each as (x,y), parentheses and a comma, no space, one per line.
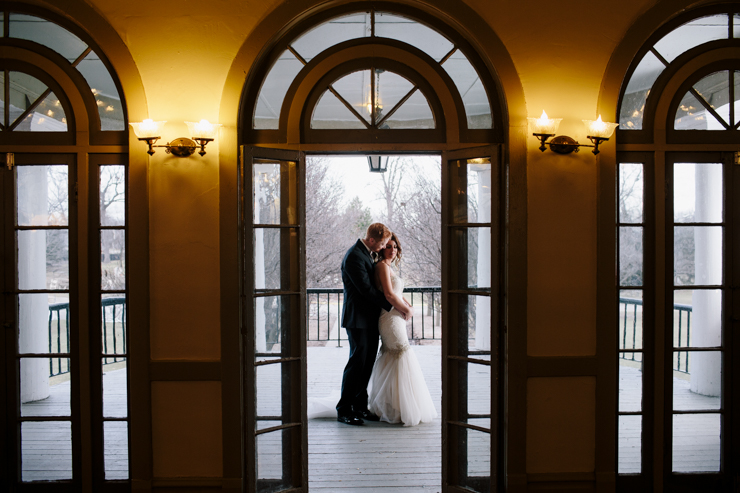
(545,128)
(202,133)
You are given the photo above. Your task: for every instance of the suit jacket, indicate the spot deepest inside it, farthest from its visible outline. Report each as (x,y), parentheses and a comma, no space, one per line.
(362,300)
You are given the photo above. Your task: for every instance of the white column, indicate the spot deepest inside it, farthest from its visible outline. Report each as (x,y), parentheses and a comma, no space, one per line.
(483,303)
(706,324)
(260,320)
(34,308)
(259,283)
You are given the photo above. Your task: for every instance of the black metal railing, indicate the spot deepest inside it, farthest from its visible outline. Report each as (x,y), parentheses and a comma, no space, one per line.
(58,337)
(631,331)
(325,312)
(680,340)
(113,332)
(113,342)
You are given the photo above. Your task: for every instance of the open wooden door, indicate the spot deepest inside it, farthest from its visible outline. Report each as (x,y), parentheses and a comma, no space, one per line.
(273,300)
(472,348)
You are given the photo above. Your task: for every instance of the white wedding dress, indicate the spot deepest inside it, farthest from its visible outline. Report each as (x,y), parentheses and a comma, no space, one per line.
(397,390)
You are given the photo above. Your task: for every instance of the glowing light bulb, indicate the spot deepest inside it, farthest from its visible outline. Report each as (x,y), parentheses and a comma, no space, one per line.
(148,125)
(203,129)
(599,128)
(148,128)
(544,124)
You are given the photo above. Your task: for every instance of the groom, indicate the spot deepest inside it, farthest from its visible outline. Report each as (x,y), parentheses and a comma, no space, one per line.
(362,304)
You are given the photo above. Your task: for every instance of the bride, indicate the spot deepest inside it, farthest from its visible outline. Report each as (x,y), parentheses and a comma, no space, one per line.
(398,392)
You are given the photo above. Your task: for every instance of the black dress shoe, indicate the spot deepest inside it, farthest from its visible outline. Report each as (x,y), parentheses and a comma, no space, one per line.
(350,420)
(367,415)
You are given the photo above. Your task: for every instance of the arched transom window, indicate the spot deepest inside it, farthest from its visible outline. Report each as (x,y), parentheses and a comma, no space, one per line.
(710,102)
(28,103)
(373,98)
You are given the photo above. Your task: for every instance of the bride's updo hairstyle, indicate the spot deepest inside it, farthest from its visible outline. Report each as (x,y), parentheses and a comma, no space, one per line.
(398,249)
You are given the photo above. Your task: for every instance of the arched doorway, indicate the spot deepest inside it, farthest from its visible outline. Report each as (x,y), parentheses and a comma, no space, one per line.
(69,297)
(673,202)
(381,80)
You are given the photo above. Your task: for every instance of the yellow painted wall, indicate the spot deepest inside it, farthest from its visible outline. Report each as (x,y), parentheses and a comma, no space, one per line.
(183,51)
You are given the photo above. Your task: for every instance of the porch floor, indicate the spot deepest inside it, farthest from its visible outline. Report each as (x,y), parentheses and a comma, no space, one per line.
(376,457)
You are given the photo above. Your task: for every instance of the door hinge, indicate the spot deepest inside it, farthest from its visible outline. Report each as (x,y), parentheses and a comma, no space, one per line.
(76,189)
(737,158)
(9,160)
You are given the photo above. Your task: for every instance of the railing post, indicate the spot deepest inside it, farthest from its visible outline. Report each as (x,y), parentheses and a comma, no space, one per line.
(123,324)
(115,339)
(51,361)
(634,330)
(678,353)
(688,336)
(318,317)
(624,334)
(422,315)
(433,311)
(339,321)
(59,341)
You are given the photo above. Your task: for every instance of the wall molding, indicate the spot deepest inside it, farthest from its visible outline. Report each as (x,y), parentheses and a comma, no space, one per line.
(562,366)
(179,371)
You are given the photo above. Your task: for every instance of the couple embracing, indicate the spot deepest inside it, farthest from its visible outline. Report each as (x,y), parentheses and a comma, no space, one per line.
(390,387)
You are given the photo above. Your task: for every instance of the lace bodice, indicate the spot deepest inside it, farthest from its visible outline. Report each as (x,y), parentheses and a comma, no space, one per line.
(397,283)
(392,326)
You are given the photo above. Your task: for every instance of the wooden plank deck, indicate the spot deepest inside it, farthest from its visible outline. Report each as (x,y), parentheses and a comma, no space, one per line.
(696,437)
(375,457)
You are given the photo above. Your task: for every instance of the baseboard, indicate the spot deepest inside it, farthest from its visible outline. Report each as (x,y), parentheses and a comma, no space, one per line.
(549,477)
(174,485)
(564,482)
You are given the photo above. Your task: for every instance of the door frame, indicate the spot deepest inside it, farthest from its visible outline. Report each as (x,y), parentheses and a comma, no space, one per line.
(449,389)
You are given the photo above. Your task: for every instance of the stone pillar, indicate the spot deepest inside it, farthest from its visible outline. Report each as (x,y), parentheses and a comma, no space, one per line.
(483,303)
(34,308)
(706,323)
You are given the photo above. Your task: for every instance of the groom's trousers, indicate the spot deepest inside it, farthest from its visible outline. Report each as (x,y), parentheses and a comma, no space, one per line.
(363,348)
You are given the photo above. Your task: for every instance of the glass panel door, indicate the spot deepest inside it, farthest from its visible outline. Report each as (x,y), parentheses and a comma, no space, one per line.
(273,319)
(110,348)
(41,314)
(696,339)
(635,306)
(472,339)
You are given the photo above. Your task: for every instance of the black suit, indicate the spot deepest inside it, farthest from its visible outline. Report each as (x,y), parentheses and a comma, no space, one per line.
(362,305)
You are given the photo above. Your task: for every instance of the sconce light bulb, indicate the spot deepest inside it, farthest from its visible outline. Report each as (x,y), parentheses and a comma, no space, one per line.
(148,128)
(204,126)
(203,129)
(148,125)
(544,124)
(599,128)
